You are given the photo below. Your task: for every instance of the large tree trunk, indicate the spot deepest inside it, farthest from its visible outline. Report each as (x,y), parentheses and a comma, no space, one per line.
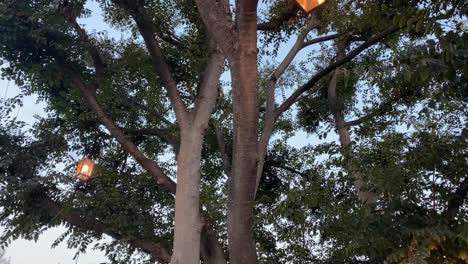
(241,190)
(187,228)
(210,249)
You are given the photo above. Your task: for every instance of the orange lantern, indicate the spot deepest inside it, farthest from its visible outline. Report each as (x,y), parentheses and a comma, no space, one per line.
(84,169)
(308,5)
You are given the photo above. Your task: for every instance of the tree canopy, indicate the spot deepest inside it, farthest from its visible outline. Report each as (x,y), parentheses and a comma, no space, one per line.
(335,136)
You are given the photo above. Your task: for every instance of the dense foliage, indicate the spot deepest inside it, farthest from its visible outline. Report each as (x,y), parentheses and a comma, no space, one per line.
(408,95)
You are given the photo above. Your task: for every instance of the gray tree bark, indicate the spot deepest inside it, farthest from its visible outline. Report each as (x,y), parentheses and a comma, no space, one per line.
(241,188)
(187,227)
(343,131)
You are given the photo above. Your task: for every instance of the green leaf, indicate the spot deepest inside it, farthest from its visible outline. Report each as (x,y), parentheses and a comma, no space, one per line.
(419,26)
(402,21)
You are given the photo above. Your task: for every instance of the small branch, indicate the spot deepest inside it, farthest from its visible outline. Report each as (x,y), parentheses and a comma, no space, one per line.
(384,108)
(171,38)
(270,118)
(284,167)
(456,201)
(210,249)
(157,250)
(351,55)
(298,45)
(171,140)
(320,39)
(90,96)
(159,60)
(275,23)
(70,14)
(160,116)
(191,95)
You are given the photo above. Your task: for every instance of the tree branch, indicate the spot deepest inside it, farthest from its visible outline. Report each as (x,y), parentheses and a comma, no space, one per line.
(275,23)
(222,145)
(284,167)
(456,201)
(69,12)
(158,251)
(209,87)
(336,110)
(216,19)
(159,60)
(149,165)
(171,140)
(90,96)
(270,118)
(298,45)
(320,39)
(171,38)
(351,55)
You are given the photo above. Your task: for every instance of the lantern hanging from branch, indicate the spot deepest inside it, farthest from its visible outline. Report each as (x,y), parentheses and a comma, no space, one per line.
(308,5)
(84,169)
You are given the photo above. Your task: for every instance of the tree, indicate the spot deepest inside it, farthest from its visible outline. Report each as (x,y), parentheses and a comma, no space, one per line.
(126,102)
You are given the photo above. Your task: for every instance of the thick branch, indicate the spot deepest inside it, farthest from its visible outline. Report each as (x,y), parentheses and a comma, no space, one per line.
(90,97)
(382,109)
(320,39)
(209,88)
(158,251)
(457,200)
(345,139)
(216,20)
(286,62)
(270,96)
(148,164)
(173,141)
(351,55)
(159,60)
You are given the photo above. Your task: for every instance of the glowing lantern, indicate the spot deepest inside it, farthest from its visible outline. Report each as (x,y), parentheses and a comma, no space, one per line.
(308,5)
(84,169)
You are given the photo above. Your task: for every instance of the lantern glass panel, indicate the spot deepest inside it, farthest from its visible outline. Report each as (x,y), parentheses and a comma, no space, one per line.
(308,5)
(84,169)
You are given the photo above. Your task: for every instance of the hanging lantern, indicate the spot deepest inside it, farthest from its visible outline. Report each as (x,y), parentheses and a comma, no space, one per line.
(308,5)
(84,169)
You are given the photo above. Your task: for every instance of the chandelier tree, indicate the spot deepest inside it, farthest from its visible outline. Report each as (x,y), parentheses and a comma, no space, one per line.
(188,166)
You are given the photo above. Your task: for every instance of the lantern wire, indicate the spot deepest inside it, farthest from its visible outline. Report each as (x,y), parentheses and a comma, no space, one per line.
(5,96)
(17,113)
(6,91)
